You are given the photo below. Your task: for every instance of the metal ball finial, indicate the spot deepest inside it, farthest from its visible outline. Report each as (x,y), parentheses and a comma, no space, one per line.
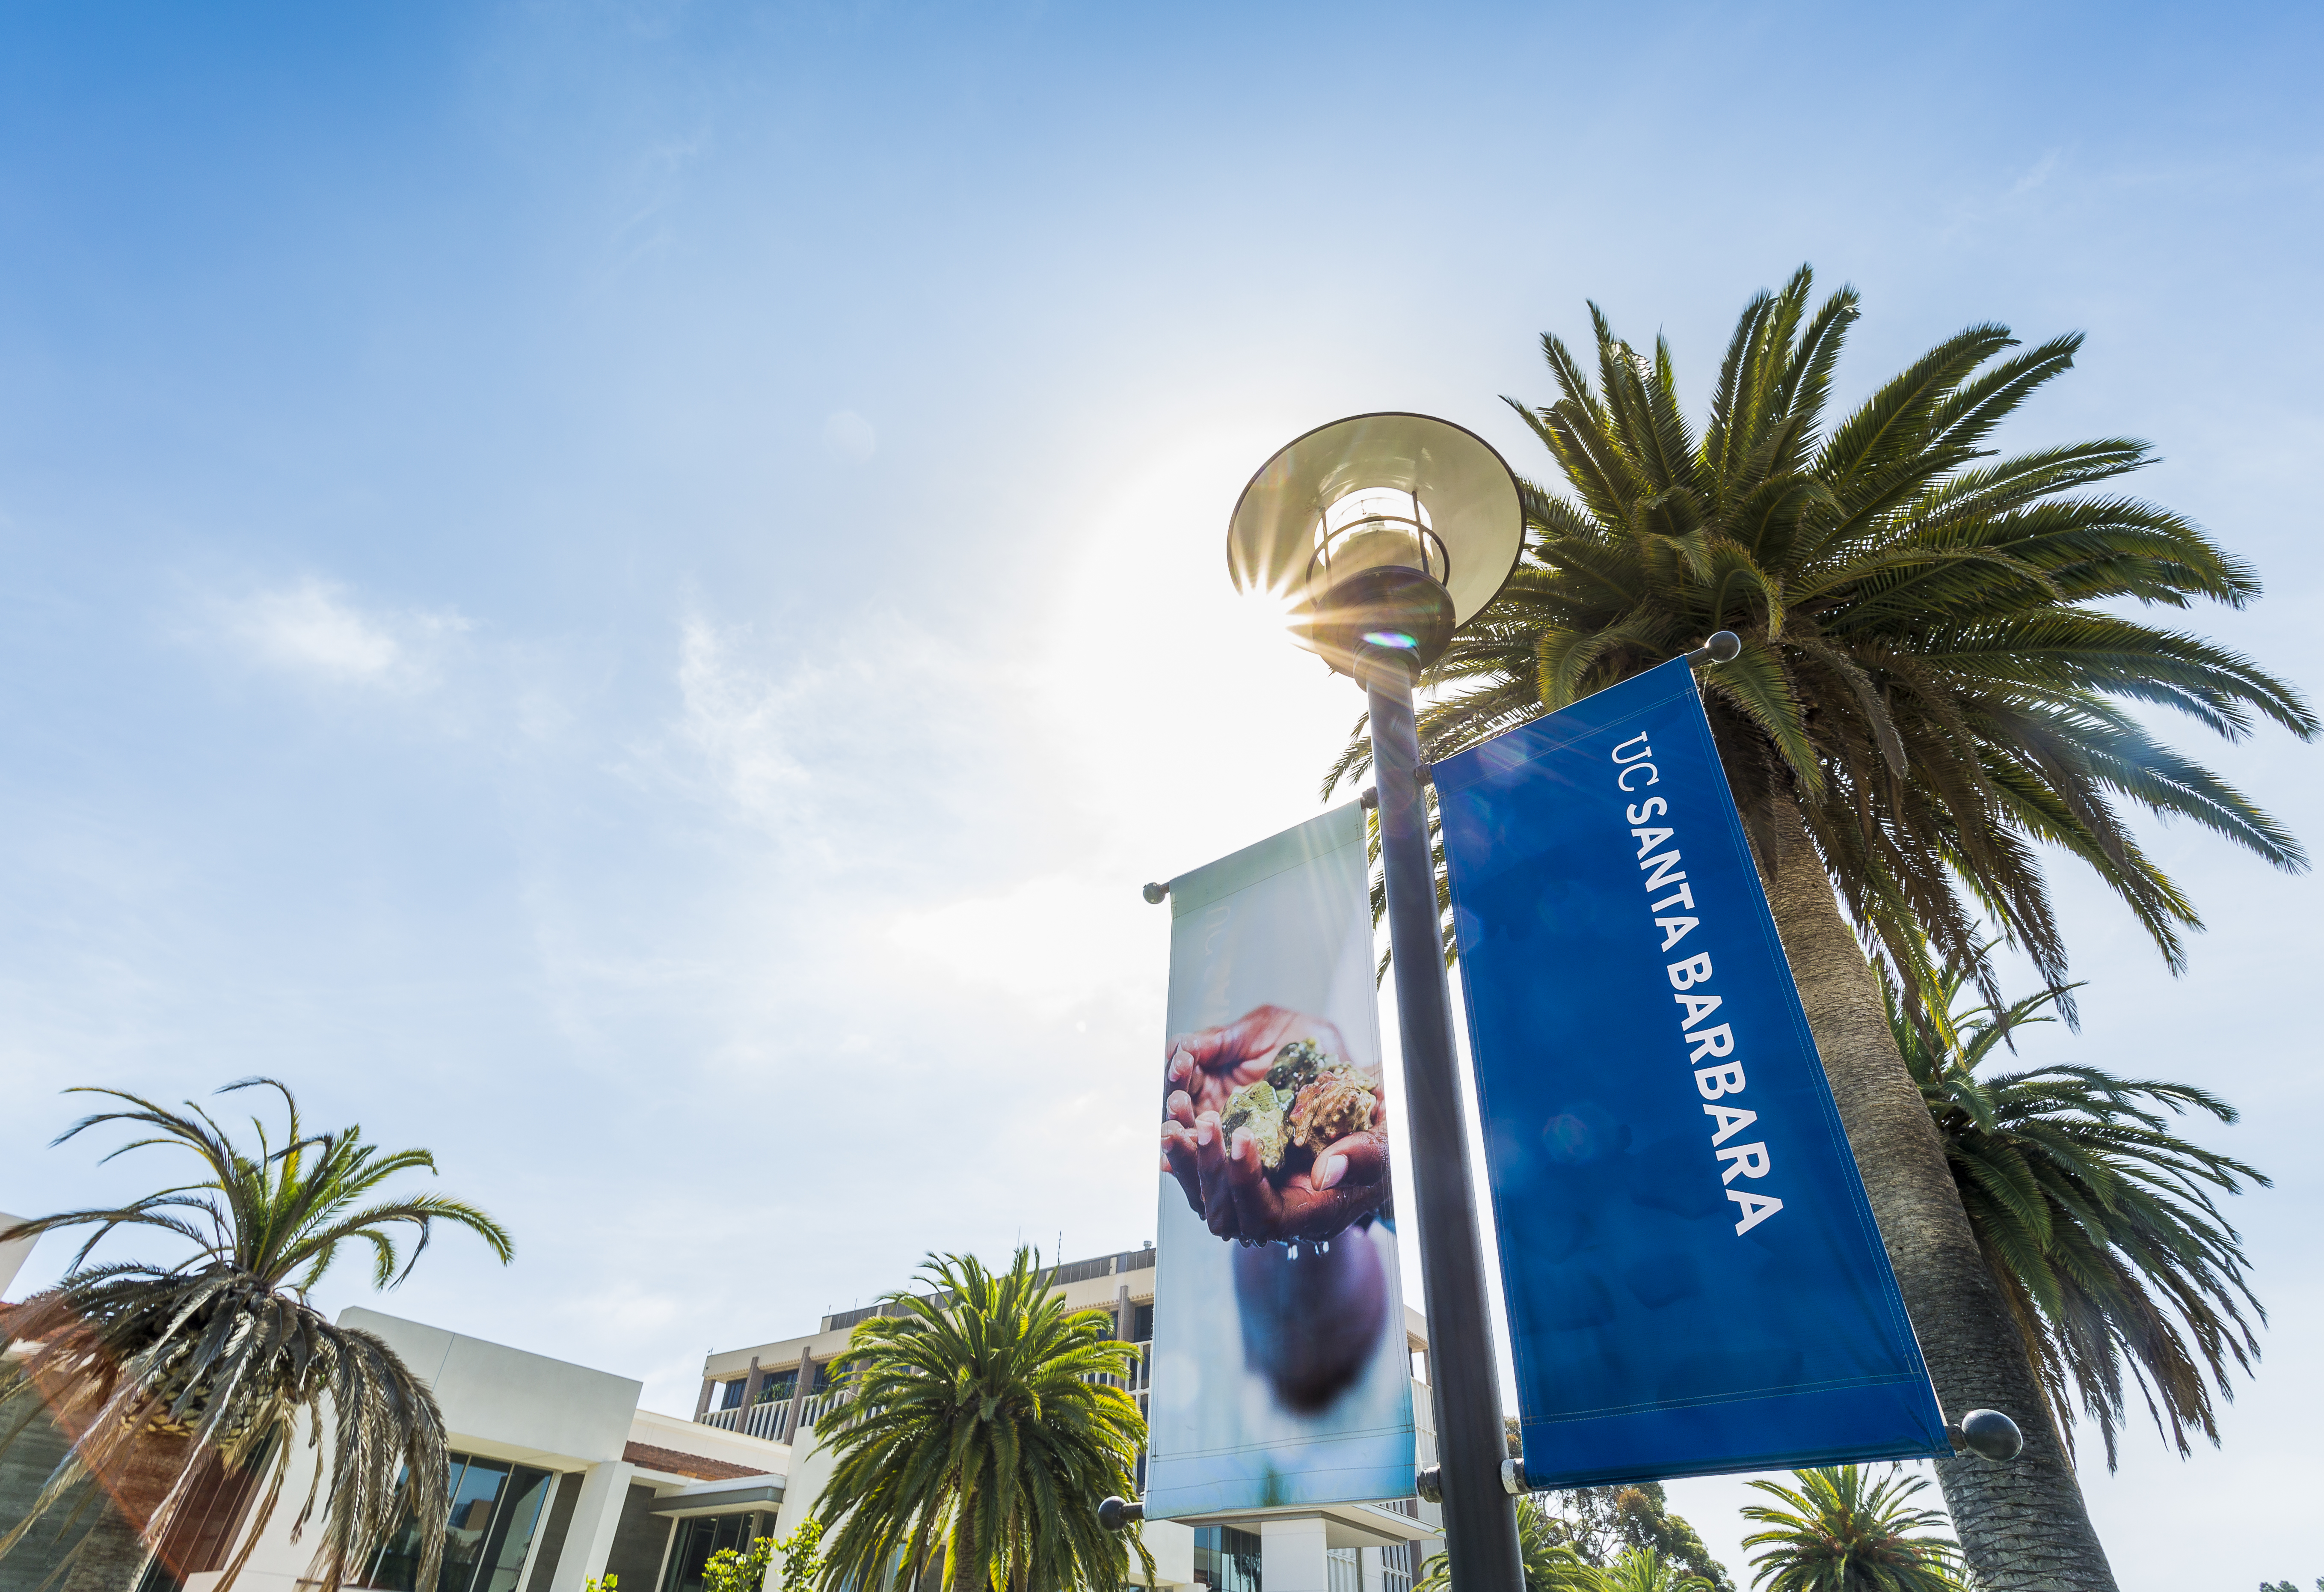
(1723,647)
(1989,1434)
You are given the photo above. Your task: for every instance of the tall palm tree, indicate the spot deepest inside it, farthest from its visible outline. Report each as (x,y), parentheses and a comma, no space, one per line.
(159,1371)
(2099,1224)
(1840,1531)
(1928,692)
(986,1425)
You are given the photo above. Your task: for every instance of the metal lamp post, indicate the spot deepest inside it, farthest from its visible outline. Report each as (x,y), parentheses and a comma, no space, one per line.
(1390,530)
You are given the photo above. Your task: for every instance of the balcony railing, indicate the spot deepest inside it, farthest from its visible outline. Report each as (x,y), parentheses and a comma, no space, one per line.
(762,1420)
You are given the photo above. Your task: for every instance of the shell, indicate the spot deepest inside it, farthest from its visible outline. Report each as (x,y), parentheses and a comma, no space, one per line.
(1338,1103)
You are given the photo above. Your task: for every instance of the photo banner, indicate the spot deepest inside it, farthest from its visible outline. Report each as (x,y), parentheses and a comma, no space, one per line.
(1281,1375)
(1694,1282)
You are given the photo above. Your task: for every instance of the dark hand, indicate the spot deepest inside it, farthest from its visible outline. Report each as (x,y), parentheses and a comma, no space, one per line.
(1227,1185)
(1211,1063)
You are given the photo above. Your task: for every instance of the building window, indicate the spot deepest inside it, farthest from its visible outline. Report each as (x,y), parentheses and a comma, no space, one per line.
(206,1523)
(1141,1323)
(1226,1560)
(703,1535)
(777,1386)
(495,1508)
(1395,1568)
(730,1393)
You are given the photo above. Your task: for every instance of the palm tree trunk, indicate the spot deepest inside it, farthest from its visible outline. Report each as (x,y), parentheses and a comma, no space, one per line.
(2024,1523)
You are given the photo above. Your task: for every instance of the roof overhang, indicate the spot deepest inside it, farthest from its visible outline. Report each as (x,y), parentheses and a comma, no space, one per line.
(1345,1525)
(727,1497)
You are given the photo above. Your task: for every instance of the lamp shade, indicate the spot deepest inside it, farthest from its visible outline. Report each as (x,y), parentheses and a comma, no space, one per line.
(1407,489)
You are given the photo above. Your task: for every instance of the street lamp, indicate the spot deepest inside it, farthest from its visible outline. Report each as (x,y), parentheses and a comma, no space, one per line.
(1389,531)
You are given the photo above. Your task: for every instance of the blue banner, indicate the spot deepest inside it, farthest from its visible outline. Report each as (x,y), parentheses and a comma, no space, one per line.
(1694,1282)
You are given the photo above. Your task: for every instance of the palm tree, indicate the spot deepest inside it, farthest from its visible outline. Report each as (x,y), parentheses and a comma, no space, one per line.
(1843,1531)
(1642,1570)
(986,1425)
(2098,1222)
(159,1371)
(1928,690)
(1550,1564)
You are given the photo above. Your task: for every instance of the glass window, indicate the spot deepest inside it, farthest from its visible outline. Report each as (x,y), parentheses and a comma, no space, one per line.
(1226,1560)
(698,1540)
(474,1501)
(496,1507)
(730,1393)
(398,1564)
(511,1537)
(1141,1328)
(778,1387)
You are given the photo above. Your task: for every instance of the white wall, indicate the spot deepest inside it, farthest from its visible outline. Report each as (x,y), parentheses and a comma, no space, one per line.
(506,1404)
(671,1432)
(12,1253)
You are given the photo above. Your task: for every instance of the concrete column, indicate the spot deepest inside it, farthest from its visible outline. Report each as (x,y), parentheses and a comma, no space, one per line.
(595,1515)
(1291,1554)
(1124,1313)
(751,1380)
(798,1396)
(1368,1561)
(702,1404)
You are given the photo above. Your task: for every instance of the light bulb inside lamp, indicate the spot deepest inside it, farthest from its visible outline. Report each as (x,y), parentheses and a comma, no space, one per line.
(1387,530)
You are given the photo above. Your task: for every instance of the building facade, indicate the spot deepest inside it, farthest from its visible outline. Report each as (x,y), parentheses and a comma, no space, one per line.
(559,1478)
(778,1391)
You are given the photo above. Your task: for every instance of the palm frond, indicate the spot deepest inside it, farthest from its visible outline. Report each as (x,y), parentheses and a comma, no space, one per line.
(217,1359)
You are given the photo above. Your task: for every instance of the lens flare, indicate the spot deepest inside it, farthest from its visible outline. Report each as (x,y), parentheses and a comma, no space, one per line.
(1390,638)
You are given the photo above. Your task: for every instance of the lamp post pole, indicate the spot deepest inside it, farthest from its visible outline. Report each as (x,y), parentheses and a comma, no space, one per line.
(1394,529)
(1480,1524)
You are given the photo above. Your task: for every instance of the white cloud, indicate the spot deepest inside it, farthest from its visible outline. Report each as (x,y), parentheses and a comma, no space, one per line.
(735,718)
(312,629)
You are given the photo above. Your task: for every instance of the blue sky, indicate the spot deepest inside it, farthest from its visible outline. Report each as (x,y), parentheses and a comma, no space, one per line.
(628,592)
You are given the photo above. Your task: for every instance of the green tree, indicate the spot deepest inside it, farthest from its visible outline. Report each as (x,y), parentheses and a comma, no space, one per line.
(802,1556)
(1840,1530)
(1604,1523)
(1551,1564)
(728,1570)
(985,1426)
(1929,693)
(162,1369)
(1642,1570)
(2099,1224)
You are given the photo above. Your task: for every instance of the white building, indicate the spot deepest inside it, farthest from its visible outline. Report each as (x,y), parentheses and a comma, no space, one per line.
(778,1391)
(559,1478)
(12,1253)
